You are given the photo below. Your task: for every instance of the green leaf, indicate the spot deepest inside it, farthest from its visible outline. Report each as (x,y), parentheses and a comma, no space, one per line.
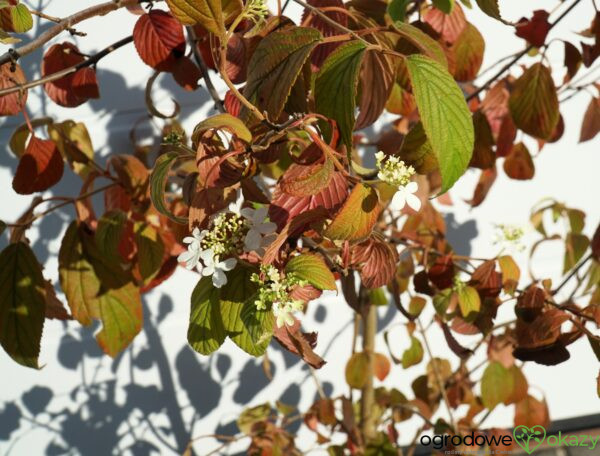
(416,150)
(205,332)
(469,302)
(251,416)
(150,250)
(158,181)
(396,9)
(74,143)
(275,66)
(445,6)
(223,121)
(497,385)
(239,293)
(21,18)
(96,289)
(22,304)
(575,247)
(357,216)
(533,102)
(336,87)
(445,116)
(413,355)
(510,273)
(468,53)
(423,42)
(313,269)
(258,323)
(491,8)
(109,233)
(356,370)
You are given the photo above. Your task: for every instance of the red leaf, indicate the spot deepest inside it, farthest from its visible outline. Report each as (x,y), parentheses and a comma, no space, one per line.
(85,84)
(13,103)
(487,280)
(159,40)
(591,121)
(486,180)
(441,273)
(40,167)
(534,30)
(232,104)
(449,26)
(595,244)
(62,91)
(573,60)
(506,137)
(376,260)
(381,366)
(310,19)
(237,63)
(519,165)
(186,74)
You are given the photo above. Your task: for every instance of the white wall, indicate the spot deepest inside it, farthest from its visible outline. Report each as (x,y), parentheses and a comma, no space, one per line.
(160,392)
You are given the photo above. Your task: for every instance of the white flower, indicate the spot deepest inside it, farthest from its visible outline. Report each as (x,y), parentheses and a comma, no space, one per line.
(191,257)
(260,231)
(283,312)
(510,237)
(236,206)
(406,195)
(215,268)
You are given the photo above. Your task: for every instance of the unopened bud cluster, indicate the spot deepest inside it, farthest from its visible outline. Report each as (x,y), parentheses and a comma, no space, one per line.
(393,171)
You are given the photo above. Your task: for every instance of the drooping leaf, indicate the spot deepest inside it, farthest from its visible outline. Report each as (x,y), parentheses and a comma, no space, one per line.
(299,343)
(445,117)
(496,385)
(206,332)
(150,249)
(468,53)
(534,30)
(519,164)
(109,233)
(313,269)
(531,412)
(491,8)
(275,66)
(572,62)
(158,181)
(376,261)
(336,86)
(13,103)
(381,366)
(591,121)
(358,215)
(251,416)
(510,273)
(396,9)
(96,288)
(533,102)
(40,167)
(159,39)
(356,370)
(575,247)
(22,304)
(485,183)
(74,143)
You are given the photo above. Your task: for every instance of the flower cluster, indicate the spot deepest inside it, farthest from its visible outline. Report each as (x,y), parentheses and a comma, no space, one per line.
(256,11)
(230,233)
(274,290)
(394,172)
(510,236)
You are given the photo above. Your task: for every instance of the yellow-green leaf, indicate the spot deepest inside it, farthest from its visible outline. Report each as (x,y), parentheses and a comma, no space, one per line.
(74,143)
(497,385)
(109,232)
(210,14)
(205,332)
(356,370)
(275,66)
(510,273)
(313,269)
(468,53)
(469,302)
(445,6)
(357,216)
(575,247)
(533,102)
(423,42)
(150,250)
(22,304)
(96,288)
(445,116)
(223,121)
(158,181)
(414,354)
(336,86)
(491,8)
(21,18)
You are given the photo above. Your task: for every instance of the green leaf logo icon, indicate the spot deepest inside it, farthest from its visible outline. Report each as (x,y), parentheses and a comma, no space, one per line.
(529,438)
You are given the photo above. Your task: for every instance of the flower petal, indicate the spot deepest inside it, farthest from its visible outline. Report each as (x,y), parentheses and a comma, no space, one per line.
(413,202)
(398,201)
(411,187)
(208,256)
(266,228)
(260,214)
(247,212)
(219,278)
(228,264)
(252,240)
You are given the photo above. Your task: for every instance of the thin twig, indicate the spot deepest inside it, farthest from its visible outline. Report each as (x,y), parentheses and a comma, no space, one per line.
(62,73)
(572,273)
(67,23)
(193,38)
